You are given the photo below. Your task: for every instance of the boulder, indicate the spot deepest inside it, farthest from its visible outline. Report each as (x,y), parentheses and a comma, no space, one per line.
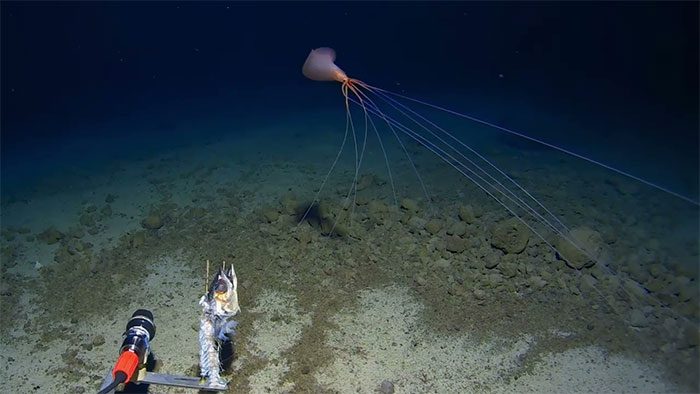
(586,240)
(510,236)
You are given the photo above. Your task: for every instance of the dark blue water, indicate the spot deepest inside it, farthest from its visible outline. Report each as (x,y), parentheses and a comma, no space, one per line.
(86,83)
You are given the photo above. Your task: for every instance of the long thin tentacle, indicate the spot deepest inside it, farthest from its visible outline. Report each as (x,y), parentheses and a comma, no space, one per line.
(335,162)
(394,103)
(461,168)
(479,180)
(542,142)
(401,144)
(384,153)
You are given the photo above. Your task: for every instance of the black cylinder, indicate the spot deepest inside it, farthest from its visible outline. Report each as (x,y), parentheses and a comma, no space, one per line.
(143,318)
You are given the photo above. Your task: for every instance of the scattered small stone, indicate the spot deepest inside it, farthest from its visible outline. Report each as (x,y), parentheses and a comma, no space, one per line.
(466,214)
(458,229)
(656,270)
(637,319)
(455,244)
(508,270)
(537,282)
(8,235)
(409,205)
(5,289)
(386,387)
(442,263)
(416,223)
(138,239)
(289,204)
(152,222)
(433,226)
(284,263)
(304,237)
(50,236)
(271,215)
(690,336)
(491,261)
(420,281)
(196,212)
(365,181)
(106,211)
(98,340)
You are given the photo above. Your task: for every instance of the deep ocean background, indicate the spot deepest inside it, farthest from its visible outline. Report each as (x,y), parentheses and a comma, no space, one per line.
(86,83)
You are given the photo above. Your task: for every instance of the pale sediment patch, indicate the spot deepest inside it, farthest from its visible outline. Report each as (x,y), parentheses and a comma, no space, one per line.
(385,340)
(278,328)
(589,370)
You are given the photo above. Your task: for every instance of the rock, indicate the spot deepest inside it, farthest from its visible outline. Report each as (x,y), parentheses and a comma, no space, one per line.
(655,286)
(138,239)
(365,181)
(271,215)
(588,240)
(152,222)
(443,264)
(5,289)
(289,204)
(304,237)
(637,319)
(196,212)
(690,336)
(656,270)
(87,220)
(420,281)
(8,235)
(493,279)
(75,246)
(466,214)
(50,236)
(433,226)
(416,223)
(491,261)
(458,229)
(510,236)
(286,264)
(377,206)
(634,289)
(76,232)
(479,294)
(409,205)
(110,198)
(455,244)
(106,211)
(589,283)
(361,199)
(508,270)
(98,340)
(386,387)
(536,282)
(378,211)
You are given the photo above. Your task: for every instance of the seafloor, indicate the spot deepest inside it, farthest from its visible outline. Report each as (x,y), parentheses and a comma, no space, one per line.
(413,296)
